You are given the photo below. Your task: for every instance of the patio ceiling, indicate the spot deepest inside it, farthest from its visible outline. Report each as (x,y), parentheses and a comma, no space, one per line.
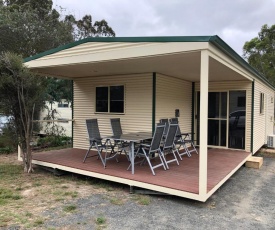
(185,65)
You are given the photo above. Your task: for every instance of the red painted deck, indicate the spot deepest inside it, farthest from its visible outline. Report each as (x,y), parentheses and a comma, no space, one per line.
(184,177)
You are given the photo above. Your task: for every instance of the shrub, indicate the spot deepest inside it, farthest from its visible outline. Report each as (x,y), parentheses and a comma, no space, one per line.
(53,141)
(6,150)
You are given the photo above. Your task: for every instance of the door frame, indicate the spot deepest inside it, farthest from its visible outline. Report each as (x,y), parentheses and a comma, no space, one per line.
(227,116)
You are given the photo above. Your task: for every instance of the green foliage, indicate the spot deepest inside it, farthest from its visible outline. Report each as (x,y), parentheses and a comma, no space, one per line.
(6,195)
(260,52)
(69,208)
(6,150)
(86,28)
(53,141)
(100,220)
(53,128)
(20,91)
(7,141)
(58,89)
(28,27)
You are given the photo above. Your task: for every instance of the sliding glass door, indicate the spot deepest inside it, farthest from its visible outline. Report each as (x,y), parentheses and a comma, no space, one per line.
(217,118)
(226,119)
(237,119)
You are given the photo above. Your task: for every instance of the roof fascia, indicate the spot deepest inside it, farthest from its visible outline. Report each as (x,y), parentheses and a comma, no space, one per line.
(121,39)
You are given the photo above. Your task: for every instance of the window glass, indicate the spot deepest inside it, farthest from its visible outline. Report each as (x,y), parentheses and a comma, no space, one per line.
(110,99)
(261,103)
(223,105)
(217,106)
(117,99)
(102,99)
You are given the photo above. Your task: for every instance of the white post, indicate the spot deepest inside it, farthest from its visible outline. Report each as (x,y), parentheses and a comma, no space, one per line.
(19,153)
(204,72)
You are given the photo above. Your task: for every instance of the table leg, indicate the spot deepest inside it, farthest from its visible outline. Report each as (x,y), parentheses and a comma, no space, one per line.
(132,154)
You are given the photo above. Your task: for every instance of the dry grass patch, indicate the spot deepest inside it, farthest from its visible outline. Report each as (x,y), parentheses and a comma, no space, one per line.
(25,197)
(31,194)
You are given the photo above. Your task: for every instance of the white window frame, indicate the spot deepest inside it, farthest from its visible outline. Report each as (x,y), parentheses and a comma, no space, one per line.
(109,100)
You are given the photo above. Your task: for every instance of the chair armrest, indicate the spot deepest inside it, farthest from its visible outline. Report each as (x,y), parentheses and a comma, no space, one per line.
(145,145)
(95,139)
(187,133)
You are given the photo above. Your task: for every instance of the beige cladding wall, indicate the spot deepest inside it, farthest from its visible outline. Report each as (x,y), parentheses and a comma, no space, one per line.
(171,94)
(138,105)
(263,123)
(236,85)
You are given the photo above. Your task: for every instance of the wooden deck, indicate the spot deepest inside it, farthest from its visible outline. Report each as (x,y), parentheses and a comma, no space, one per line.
(185,177)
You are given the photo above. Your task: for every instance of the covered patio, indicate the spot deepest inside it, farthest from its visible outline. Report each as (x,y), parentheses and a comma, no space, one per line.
(182,180)
(159,77)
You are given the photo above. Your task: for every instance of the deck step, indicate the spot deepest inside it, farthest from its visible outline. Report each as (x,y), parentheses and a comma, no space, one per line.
(254,162)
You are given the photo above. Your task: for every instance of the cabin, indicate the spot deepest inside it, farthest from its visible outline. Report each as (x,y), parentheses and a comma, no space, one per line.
(215,94)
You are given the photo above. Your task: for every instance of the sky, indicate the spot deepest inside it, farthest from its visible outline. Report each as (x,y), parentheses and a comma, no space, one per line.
(234,21)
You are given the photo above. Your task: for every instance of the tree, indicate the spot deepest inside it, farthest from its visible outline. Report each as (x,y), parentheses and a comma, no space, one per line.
(58,90)
(21,91)
(86,28)
(28,27)
(260,52)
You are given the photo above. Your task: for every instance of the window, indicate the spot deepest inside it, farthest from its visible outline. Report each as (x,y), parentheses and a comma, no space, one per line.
(261,103)
(63,105)
(110,99)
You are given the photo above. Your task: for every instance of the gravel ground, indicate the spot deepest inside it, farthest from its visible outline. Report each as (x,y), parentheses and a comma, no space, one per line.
(246,201)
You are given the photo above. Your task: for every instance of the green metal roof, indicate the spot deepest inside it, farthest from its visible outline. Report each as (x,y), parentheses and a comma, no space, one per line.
(215,40)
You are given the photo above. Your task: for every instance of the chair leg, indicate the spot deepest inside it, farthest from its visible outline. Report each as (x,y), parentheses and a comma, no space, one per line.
(186,151)
(170,161)
(87,153)
(101,158)
(150,165)
(163,158)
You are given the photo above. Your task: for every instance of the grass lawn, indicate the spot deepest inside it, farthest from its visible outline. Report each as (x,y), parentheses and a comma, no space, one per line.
(24,197)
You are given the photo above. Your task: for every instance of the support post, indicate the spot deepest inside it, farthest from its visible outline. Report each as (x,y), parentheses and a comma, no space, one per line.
(204,75)
(19,152)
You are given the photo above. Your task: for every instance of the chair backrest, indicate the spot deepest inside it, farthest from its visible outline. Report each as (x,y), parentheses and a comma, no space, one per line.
(116,126)
(158,134)
(165,121)
(170,137)
(175,120)
(92,129)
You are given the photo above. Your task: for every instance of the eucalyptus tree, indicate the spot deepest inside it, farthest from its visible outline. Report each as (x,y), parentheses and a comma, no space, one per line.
(260,52)
(21,92)
(29,27)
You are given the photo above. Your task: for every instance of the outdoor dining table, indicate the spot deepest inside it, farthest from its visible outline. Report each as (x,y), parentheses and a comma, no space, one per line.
(132,138)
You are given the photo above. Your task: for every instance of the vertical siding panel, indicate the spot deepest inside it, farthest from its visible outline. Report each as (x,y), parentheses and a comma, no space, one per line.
(236,85)
(171,94)
(138,105)
(263,123)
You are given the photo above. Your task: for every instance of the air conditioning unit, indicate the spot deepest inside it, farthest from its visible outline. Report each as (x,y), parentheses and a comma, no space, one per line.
(271,141)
